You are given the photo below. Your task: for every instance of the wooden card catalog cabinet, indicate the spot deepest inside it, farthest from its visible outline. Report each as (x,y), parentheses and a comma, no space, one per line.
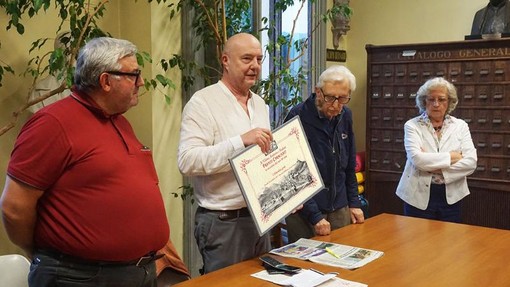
(480,69)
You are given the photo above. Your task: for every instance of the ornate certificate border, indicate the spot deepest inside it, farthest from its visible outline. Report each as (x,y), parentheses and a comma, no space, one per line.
(275,184)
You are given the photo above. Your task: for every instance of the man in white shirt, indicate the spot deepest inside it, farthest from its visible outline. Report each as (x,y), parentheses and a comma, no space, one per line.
(218,122)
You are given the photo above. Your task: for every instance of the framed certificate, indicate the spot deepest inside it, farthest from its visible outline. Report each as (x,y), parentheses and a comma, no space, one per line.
(275,184)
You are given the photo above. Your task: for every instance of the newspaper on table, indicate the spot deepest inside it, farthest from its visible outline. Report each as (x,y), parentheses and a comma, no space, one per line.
(327,253)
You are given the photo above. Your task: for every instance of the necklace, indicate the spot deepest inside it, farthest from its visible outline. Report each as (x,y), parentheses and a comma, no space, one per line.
(438,128)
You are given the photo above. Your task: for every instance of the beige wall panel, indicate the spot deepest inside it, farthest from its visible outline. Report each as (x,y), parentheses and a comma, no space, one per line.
(166,119)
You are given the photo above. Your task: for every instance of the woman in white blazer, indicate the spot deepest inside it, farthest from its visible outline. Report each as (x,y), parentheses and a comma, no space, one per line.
(440,154)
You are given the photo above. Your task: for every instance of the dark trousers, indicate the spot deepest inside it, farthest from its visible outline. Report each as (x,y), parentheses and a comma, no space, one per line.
(298,227)
(438,208)
(49,271)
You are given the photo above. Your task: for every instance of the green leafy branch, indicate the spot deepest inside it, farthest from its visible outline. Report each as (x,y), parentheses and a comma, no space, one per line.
(187,192)
(79,17)
(212,26)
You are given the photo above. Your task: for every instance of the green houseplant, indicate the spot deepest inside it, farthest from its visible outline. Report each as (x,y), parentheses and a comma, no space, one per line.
(213,22)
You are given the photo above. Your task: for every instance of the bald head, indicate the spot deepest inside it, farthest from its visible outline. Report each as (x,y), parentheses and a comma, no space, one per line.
(241,60)
(239,41)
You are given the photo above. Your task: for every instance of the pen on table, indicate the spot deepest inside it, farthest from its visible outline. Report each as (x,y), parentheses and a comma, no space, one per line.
(316,271)
(322,273)
(331,252)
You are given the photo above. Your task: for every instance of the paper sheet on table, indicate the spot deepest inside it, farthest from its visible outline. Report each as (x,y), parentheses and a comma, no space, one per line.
(307,278)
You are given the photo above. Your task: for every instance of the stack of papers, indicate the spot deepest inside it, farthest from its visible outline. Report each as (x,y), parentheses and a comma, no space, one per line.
(307,278)
(328,253)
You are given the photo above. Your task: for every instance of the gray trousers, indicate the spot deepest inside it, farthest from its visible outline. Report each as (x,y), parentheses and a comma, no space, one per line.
(298,227)
(225,242)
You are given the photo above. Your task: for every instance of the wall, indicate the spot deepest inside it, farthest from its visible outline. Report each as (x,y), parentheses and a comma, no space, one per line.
(133,20)
(387,22)
(166,119)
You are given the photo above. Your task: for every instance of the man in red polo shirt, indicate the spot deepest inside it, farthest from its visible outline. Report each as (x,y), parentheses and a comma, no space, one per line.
(81,196)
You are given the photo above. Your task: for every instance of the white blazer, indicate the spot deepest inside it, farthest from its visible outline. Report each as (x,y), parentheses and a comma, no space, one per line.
(424,154)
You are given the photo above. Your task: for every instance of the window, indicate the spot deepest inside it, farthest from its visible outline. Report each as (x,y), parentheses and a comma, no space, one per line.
(297,83)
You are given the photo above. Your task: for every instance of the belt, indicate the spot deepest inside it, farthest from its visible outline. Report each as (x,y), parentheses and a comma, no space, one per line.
(142,261)
(228,214)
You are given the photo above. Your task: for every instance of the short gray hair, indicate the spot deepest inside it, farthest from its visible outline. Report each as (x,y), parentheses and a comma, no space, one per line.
(98,56)
(337,73)
(432,84)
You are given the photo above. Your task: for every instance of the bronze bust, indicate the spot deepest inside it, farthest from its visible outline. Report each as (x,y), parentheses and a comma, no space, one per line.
(492,19)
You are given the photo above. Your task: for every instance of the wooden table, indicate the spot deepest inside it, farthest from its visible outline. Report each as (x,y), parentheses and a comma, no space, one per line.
(417,252)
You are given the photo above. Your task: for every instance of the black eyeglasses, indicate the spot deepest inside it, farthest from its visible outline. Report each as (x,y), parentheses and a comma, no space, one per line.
(135,74)
(332,99)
